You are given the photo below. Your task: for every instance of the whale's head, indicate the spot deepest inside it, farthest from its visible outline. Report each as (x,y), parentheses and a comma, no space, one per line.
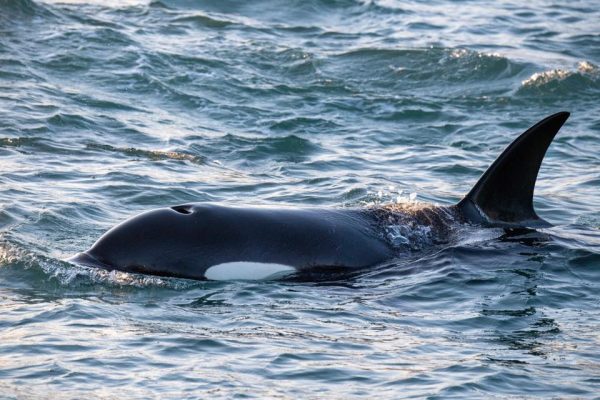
(164,241)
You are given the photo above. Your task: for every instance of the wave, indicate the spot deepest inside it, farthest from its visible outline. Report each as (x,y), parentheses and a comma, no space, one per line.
(228,6)
(103,3)
(18,141)
(23,7)
(463,64)
(432,65)
(583,78)
(153,155)
(17,10)
(289,148)
(204,21)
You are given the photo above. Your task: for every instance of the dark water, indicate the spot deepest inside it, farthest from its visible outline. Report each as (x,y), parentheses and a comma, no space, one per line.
(111,108)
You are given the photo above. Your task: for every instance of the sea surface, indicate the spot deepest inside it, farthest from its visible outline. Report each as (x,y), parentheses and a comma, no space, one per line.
(110,108)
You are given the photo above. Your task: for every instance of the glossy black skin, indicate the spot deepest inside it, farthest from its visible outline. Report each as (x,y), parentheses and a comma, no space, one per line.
(184,241)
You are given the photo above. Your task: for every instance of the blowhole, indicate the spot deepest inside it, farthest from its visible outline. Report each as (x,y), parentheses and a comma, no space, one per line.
(184,209)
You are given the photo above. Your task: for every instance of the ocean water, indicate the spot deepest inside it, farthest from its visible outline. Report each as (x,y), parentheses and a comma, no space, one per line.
(110,108)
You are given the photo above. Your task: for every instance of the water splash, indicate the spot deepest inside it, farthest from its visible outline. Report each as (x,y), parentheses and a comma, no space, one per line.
(413,226)
(390,195)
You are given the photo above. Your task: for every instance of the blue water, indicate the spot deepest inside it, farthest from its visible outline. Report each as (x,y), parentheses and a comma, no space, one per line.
(109,108)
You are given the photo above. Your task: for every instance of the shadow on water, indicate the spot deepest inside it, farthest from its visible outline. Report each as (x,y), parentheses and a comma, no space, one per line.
(513,321)
(489,290)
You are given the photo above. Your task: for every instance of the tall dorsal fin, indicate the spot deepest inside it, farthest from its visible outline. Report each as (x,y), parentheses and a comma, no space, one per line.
(503,196)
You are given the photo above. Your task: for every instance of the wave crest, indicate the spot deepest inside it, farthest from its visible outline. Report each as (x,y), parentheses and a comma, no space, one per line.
(583,77)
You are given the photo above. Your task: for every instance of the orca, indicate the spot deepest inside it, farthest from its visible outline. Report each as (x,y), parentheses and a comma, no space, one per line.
(214,242)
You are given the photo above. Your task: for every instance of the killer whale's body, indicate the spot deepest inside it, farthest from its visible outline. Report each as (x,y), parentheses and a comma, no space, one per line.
(207,241)
(194,239)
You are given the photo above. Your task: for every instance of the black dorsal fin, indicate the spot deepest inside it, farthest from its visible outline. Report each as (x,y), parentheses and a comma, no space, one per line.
(503,196)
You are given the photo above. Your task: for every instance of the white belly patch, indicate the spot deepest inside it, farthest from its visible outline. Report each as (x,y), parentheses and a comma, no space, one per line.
(247,271)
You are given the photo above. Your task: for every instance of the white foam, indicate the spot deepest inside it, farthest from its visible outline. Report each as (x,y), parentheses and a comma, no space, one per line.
(247,270)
